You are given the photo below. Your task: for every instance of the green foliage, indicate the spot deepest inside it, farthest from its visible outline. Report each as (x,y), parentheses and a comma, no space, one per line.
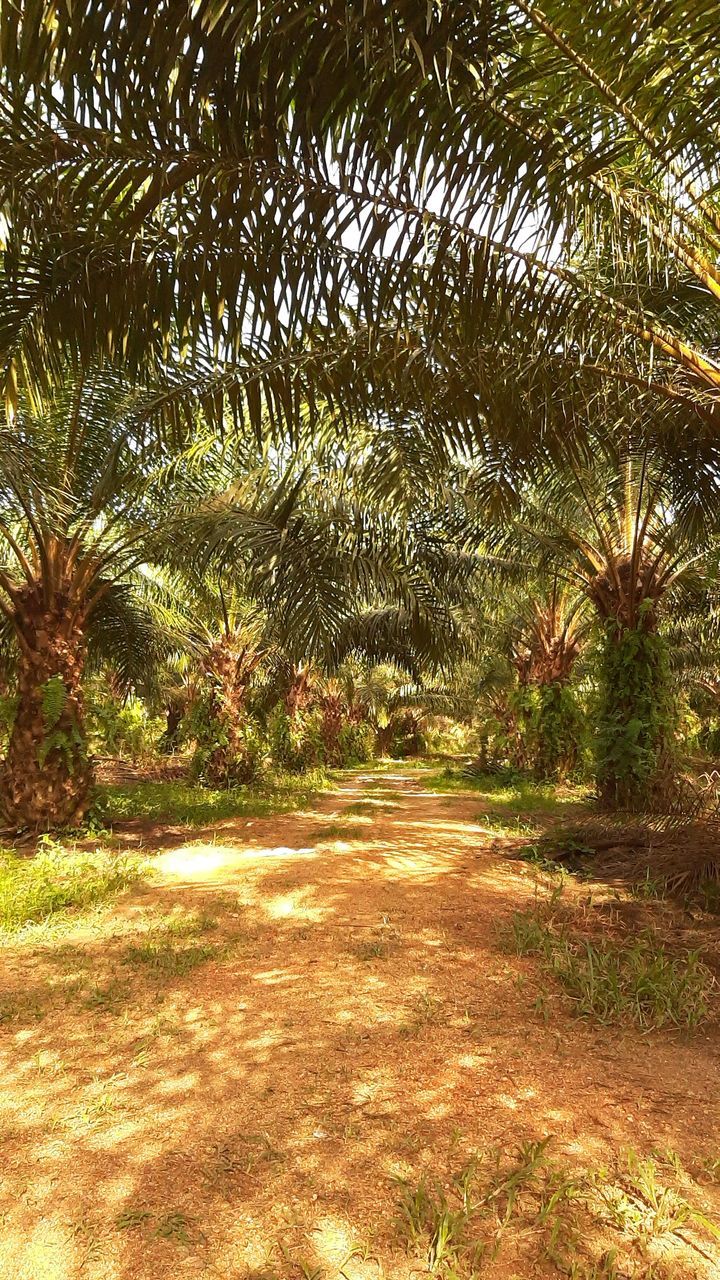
(639,981)
(637,718)
(57,878)
(123,728)
(192,804)
(67,740)
(54,698)
(296,742)
(356,743)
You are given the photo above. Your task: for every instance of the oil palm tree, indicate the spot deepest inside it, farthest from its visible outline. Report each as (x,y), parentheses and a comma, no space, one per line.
(75,532)
(632,532)
(547,634)
(95,493)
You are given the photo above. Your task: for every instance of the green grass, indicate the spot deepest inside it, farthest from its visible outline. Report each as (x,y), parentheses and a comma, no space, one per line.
(511,795)
(189,804)
(58,878)
(638,980)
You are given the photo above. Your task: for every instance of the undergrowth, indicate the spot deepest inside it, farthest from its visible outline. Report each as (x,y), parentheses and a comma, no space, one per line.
(190,804)
(635,980)
(58,878)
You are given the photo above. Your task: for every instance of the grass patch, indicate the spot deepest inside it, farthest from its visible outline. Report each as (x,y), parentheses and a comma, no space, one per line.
(340,831)
(369,808)
(164,959)
(455,1226)
(509,794)
(57,879)
(637,981)
(189,804)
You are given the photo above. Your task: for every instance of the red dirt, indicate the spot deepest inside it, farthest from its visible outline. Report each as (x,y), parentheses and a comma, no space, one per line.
(365,1024)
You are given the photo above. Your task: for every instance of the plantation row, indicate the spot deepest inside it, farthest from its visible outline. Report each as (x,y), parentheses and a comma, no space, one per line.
(359,368)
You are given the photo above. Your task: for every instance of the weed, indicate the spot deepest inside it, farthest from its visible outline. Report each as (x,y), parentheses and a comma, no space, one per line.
(638,980)
(533,853)
(368,808)
(512,795)
(165,960)
(455,1226)
(188,924)
(58,878)
(649,888)
(426,1010)
(339,831)
(505,824)
(176,1227)
(107,998)
(22,1007)
(241,1155)
(372,949)
(710,1166)
(306,1269)
(129,1219)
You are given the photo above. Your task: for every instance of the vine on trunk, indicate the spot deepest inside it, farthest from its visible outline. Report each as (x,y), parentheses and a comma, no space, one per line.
(635,747)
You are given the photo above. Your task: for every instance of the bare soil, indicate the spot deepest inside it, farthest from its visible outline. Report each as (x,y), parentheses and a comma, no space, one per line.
(360,1021)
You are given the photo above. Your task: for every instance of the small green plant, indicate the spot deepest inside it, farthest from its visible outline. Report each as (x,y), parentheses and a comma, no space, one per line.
(176,1227)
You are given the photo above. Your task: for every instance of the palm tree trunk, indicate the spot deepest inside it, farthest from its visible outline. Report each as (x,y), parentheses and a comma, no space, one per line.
(635,750)
(46,775)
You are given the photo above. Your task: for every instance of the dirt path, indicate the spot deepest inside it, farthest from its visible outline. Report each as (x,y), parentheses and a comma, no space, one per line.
(364,1024)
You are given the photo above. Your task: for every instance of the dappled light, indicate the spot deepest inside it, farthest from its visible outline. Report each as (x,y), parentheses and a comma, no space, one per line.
(340,1016)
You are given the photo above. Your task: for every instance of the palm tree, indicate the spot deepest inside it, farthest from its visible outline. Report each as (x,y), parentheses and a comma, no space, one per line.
(632,532)
(547,635)
(95,490)
(76,531)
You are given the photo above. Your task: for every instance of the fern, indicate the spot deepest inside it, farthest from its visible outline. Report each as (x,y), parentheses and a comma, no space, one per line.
(54,697)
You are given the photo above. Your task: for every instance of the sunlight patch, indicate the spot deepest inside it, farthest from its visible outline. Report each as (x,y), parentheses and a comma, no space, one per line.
(207,860)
